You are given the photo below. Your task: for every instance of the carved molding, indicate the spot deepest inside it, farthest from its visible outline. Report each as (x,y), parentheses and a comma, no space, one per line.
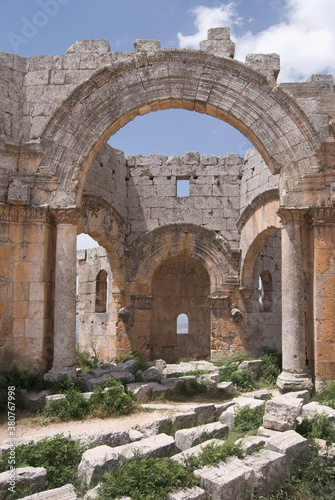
(320,216)
(219,303)
(293,215)
(66,216)
(142,301)
(15,213)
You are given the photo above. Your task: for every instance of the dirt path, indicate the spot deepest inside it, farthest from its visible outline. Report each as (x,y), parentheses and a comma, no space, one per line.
(32,425)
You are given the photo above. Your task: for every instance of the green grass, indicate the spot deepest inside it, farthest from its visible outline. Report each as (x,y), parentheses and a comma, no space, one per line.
(212,454)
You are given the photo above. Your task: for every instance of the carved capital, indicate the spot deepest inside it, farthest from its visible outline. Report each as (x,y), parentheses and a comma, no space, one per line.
(292,215)
(66,216)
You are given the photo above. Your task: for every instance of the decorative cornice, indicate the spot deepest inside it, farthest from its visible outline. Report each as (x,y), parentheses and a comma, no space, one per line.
(293,215)
(218,302)
(142,301)
(321,216)
(20,213)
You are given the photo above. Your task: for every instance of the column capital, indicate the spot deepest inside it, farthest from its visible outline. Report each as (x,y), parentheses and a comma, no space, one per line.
(292,215)
(66,215)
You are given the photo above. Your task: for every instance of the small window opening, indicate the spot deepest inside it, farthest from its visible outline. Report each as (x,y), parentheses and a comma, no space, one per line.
(101,292)
(182,324)
(183,188)
(265,291)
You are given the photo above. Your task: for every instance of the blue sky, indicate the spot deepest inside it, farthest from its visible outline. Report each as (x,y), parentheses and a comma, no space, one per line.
(301,31)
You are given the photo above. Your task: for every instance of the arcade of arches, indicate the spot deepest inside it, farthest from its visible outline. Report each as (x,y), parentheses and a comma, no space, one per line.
(247,257)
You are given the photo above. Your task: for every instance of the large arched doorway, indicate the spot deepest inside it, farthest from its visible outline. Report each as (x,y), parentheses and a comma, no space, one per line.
(180,287)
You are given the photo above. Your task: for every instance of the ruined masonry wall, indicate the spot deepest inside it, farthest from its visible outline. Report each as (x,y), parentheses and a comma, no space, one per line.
(256,178)
(95,329)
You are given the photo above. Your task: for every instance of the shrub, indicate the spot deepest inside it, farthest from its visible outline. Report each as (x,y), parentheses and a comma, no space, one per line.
(212,454)
(146,479)
(317,427)
(87,362)
(248,419)
(327,396)
(74,406)
(57,455)
(243,380)
(272,366)
(142,364)
(113,402)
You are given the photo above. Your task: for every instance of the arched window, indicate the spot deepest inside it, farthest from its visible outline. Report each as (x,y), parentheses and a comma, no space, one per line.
(265,291)
(101,292)
(182,324)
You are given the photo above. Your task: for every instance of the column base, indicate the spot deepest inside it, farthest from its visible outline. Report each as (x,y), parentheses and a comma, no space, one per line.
(291,382)
(56,372)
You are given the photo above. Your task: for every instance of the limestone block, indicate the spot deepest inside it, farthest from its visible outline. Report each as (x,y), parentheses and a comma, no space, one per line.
(155,426)
(153,374)
(93,493)
(263,432)
(227,417)
(25,477)
(173,384)
(141,45)
(18,193)
(100,46)
(160,364)
(67,492)
(205,413)
(251,443)
(153,447)
(96,462)
(210,377)
(92,383)
(304,395)
(124,377)
(141,391)
(54,397)
(108,438)
(326,453)
(230,480)
(281,413)
(267,64)
(315,408)
(183,420)
(186,438)
(34,399)
(194,493)
(195,450)
(291,444)
(251,402)
(269,467)
(221,407)
(129,366)
(255,367)
(226,388)
(262,394)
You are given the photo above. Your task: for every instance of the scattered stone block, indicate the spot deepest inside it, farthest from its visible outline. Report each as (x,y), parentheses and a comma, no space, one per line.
(263,432)
(153,447)
(326,453)
(221,407)
(251,402)
(155,426)
(160,364)
(254,366)
(124,377)
(281,413)
(304,395)
(34,399)
(194,493)
(228,417)
(108,438)
(251,444)
(314,408)
(209,377)
(205,413)
(25,477)
(186,438)
(54,397)
(183,420)
(141,391)
(95,462)
(67,492)
(269,467)
(153,374)
(93,493)
(230,480)
(291,444)
(262,394)
(226,388)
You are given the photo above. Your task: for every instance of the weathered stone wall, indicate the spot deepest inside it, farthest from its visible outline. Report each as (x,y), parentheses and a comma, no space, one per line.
(26,288)
(214,193)
(256,178)
(96,329)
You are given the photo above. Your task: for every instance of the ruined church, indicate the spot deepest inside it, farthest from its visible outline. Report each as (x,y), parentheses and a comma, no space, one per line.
(244,260)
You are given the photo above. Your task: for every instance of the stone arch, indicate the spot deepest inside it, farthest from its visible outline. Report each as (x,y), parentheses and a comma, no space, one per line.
(173,240)
(259,222)
(221,87)
(103,223)
(180,285)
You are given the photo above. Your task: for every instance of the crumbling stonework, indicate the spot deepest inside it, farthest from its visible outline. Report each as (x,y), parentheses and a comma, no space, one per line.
(58,179)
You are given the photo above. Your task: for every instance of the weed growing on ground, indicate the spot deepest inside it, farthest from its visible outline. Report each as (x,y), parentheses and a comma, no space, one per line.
(142,364)
(327,396)
(212,454)
(248,419)
(85,361)
(317,427)
(58,456)
(114,402)
(146,479)
(271,368)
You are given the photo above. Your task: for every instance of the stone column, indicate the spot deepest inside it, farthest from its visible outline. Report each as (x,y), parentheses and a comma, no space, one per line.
(64,359)
(295,374)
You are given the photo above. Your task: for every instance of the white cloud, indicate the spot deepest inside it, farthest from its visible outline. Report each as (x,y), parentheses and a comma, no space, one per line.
(305,39)
(205,18)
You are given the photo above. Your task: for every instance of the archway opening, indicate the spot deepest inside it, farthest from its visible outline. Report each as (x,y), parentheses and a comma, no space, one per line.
(180,325)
